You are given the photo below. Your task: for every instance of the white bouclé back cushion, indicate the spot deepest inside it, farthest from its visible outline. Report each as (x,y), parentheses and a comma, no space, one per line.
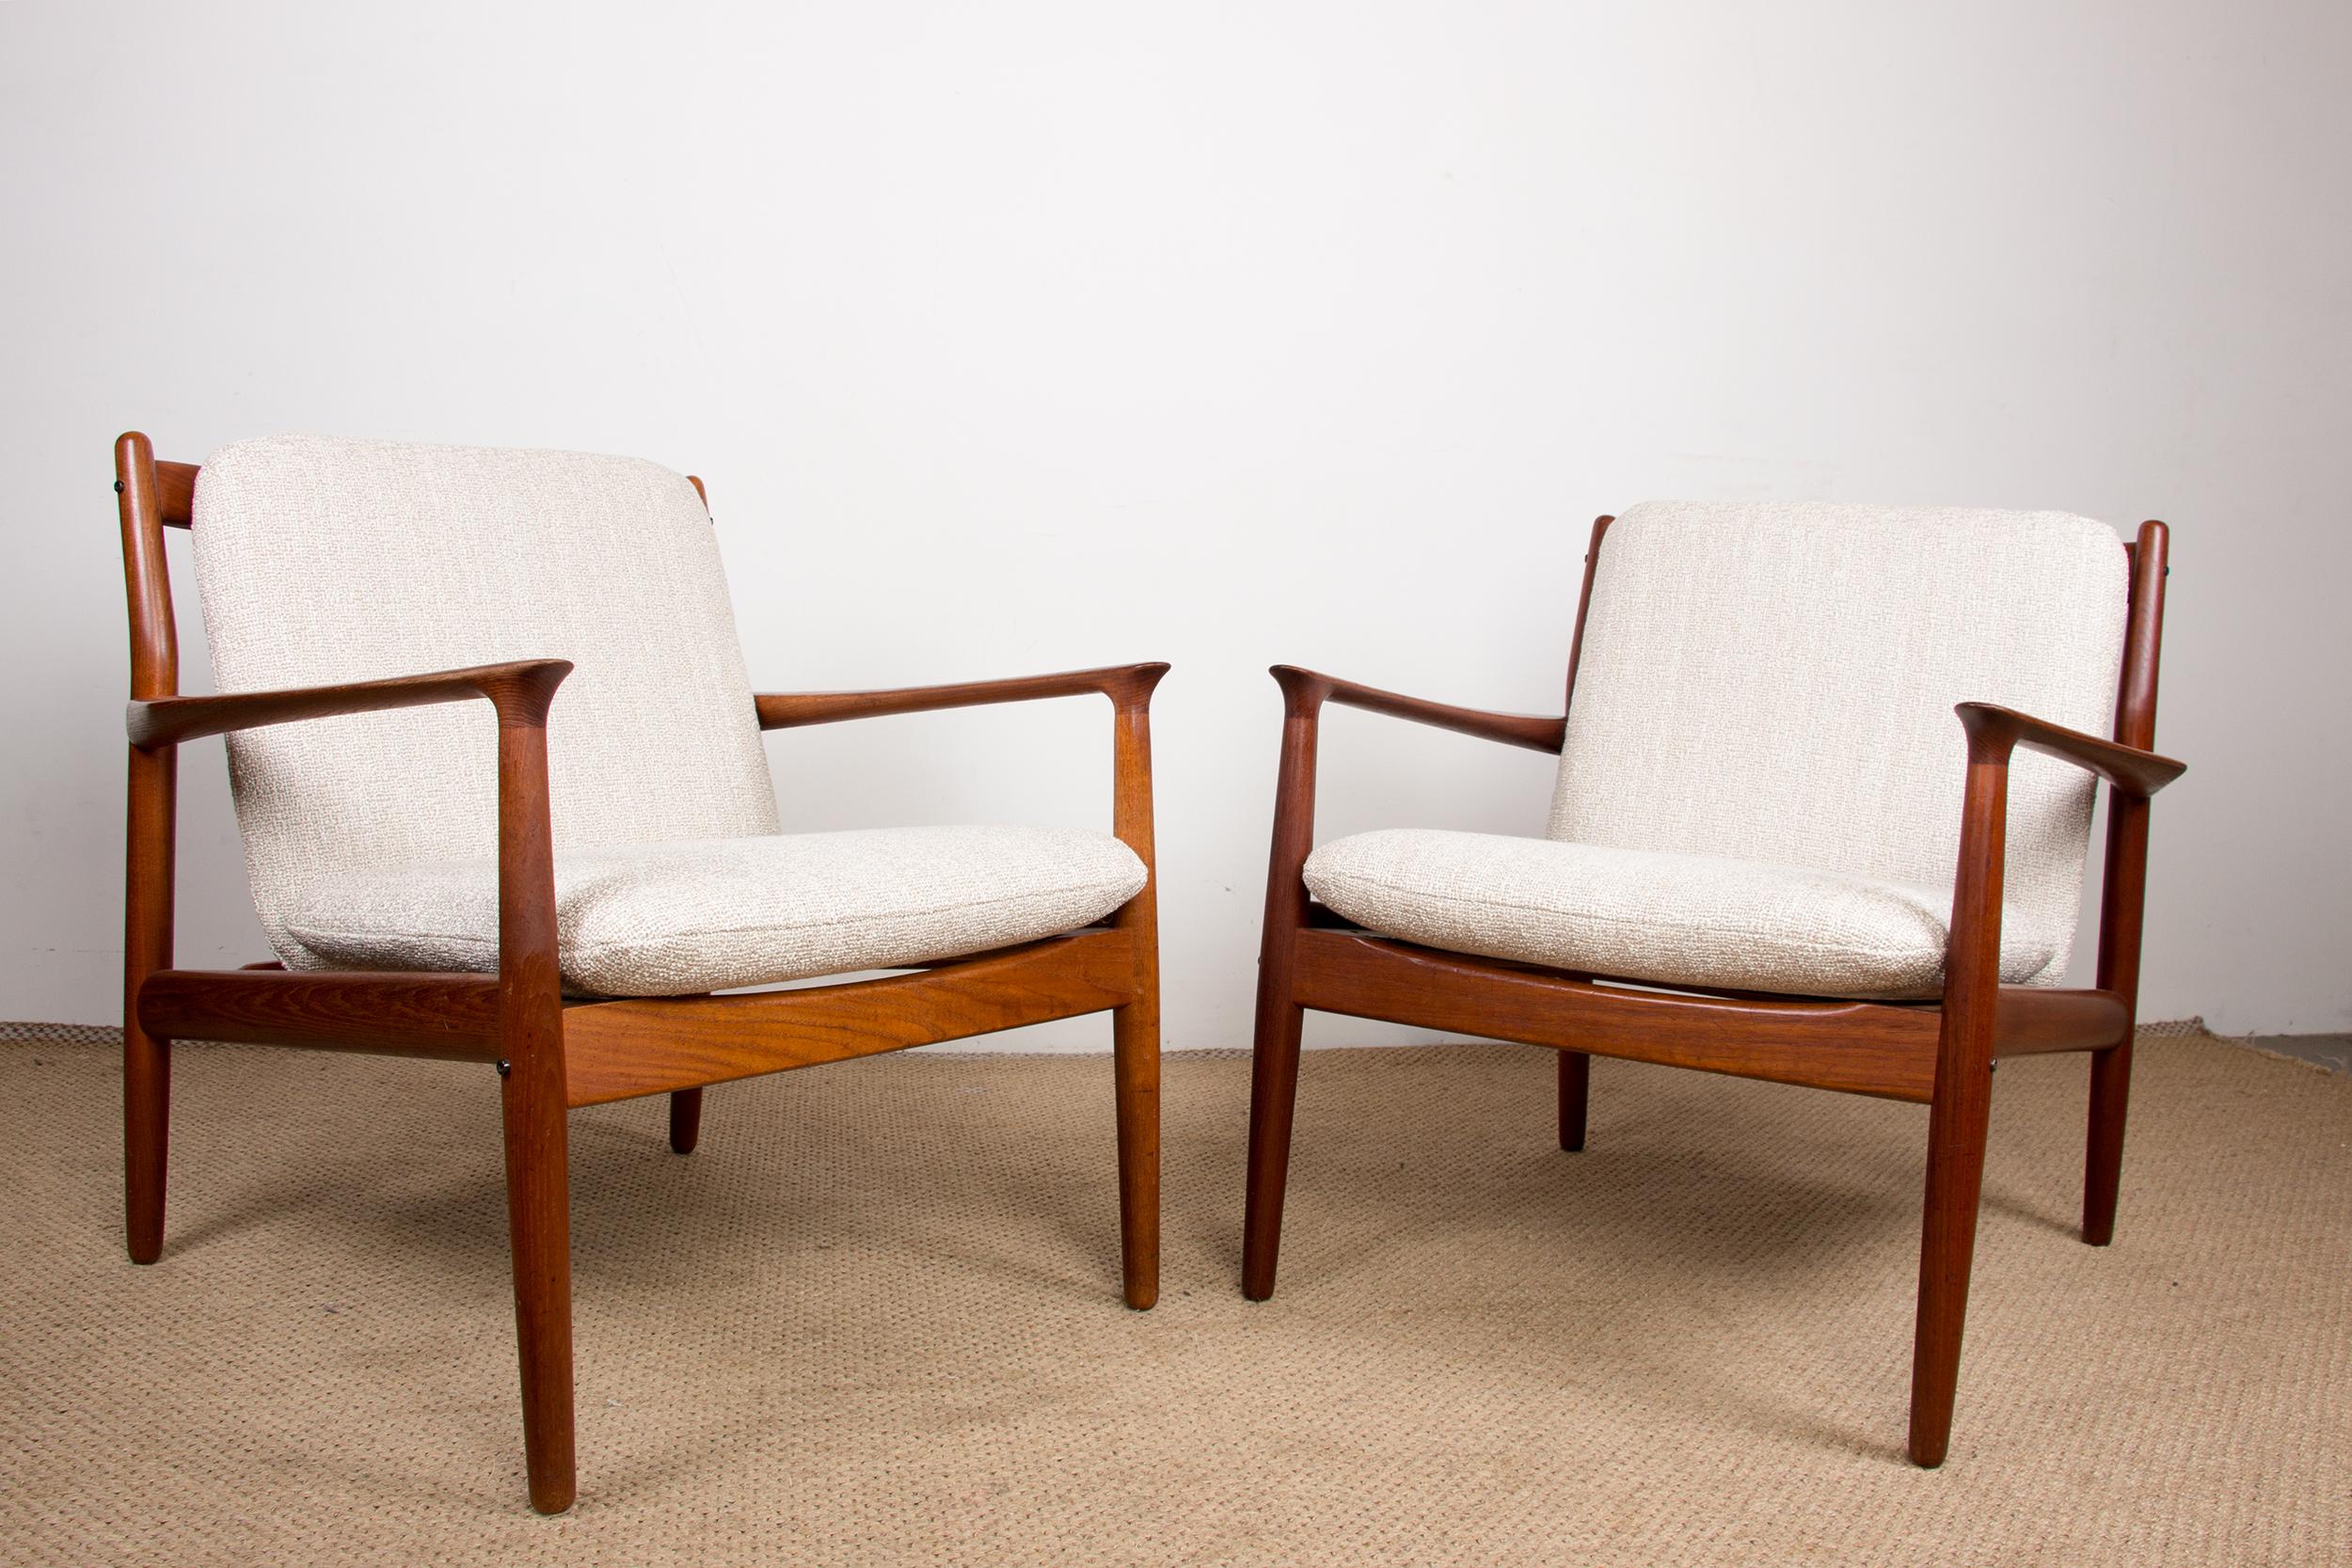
(1776,683)
(324,560)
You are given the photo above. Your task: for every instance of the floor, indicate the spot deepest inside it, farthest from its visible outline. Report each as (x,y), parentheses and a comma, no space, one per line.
(875,1320)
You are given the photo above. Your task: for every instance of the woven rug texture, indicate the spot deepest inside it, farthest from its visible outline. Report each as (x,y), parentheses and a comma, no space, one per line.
(875,1320)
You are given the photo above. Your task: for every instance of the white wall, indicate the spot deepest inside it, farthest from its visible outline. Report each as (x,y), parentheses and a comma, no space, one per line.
(1017,337)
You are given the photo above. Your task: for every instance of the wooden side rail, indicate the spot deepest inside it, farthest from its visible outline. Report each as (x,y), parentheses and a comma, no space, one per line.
(1859,1047)
(647,1045)
(451,1017)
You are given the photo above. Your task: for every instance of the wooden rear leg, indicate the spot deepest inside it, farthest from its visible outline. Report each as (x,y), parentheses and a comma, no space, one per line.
(686,1120)
(146,948)
(145,1139)
(2103,1166)
(1576,1087)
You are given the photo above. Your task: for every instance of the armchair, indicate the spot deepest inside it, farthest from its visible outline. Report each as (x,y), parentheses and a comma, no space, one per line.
(564,904)
(1771,853)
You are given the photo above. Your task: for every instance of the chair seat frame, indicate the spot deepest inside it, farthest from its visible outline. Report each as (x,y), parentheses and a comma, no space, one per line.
(552,1053)
(1940,1053)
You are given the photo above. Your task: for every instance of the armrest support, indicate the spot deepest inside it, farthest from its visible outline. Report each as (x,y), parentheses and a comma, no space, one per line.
(2128,768)
(1972,978)
(520,692)
(1128,687)
(1305,691)
(1994,733)
(530,987)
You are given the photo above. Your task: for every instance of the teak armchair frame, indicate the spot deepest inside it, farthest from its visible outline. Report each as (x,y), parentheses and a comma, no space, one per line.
(1937,1052)
(551,1053)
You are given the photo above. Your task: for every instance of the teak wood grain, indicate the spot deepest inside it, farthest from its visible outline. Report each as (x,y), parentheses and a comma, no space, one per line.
(649,1045)
(150,843)
(175,494)
(1941,1052)
(1310,688)
(1860,1047)
(169,720)
(550,1054)
(2135,772)
(2125,890)
(1128,686)
(450,1017)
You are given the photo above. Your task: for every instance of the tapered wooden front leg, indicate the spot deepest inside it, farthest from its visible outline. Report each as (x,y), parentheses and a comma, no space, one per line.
(1136,1027)
(1273,1099)
(1273,1051)
(533,1091)
(1956,1132)
(1135,1065)
(686,1120)
(1963,1095)
(1576,1089)
(538,1217)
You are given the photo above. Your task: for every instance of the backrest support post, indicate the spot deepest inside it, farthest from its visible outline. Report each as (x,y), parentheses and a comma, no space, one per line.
(146,575)
(2122,893)
(1583,605)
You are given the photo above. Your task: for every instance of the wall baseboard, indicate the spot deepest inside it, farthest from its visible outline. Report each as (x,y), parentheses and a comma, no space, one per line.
(2332,1053)
(61,1034)
(110,1034)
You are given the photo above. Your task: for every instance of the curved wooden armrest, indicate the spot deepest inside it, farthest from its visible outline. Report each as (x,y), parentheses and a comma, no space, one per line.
(1128,686)
(2127,768)
(520,690)
(1305,690)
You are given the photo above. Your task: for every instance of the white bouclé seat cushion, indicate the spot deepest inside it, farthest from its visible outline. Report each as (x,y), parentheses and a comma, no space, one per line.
(715,914)
(1664,918)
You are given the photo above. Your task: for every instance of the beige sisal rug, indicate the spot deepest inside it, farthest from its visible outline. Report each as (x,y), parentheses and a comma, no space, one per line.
(875,1320)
